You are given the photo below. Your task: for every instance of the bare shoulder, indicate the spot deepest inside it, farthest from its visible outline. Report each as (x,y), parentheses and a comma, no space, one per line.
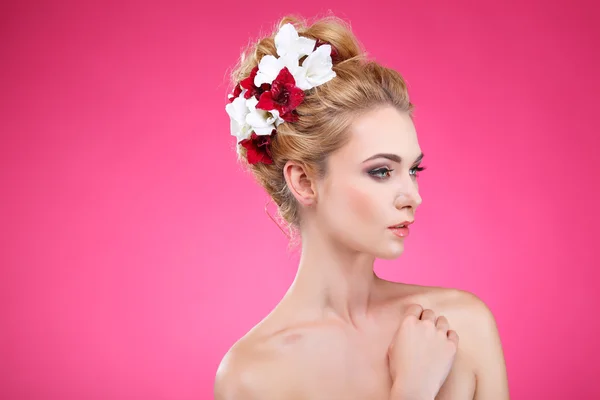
(250,370)
(263,364)
(479,339)
(469,315)
(463,308)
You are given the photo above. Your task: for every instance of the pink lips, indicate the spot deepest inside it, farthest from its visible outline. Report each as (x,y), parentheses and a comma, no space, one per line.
(401,232)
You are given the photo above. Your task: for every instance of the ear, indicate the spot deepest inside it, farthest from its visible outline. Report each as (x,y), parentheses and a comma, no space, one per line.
(300,183)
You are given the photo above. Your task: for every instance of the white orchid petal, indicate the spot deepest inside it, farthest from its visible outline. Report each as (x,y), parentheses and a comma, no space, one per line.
(291,62)
(268,116)
(238,110)
(277,120)
(235,127)
(251,103)
(261,121)
(288,42)
(268,69)
(305,46)
(318,66)
(285,39)
(244,132)
(240,130)
(319,59)
(263,130)
(316,80)
(301,79)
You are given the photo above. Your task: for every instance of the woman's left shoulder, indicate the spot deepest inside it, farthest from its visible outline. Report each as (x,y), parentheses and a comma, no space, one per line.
(461,303)
(467,313)
(451,302)
(479,339)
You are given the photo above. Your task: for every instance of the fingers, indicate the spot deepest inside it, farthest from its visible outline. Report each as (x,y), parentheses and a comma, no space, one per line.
(428,315)
(453,337)
(414,310)
(440,322)
(443,324)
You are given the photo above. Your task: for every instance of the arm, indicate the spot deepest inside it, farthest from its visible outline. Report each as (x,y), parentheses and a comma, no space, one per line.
(490,367)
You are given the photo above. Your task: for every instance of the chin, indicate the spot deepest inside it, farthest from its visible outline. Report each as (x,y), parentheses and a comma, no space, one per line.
(390,252)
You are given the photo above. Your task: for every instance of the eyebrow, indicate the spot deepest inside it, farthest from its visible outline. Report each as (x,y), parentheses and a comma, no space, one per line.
(393,157)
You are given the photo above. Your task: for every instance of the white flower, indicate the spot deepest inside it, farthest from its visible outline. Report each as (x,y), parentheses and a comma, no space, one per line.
(270,66)
(288,42)
(238,111)
(262,122)
(316,69)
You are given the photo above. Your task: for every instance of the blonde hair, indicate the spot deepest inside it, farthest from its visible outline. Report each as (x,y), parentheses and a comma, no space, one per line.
(327,111)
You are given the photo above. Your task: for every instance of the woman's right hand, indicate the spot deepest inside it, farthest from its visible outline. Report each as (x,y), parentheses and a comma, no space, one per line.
(421,354)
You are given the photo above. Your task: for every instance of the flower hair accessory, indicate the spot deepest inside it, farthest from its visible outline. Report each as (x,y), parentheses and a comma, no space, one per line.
(275,88)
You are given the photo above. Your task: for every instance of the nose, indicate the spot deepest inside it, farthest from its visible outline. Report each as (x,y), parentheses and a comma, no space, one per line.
(408,195)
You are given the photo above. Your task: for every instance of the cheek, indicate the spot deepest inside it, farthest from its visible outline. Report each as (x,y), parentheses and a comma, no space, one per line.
(364,206)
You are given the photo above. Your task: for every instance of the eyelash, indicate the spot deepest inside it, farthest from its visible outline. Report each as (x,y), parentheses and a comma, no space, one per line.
(386,170)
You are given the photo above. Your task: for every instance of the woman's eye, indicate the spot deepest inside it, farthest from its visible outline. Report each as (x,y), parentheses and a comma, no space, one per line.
(416,170)
(381,173)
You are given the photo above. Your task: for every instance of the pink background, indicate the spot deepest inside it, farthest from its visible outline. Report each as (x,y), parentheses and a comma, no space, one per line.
(134,251)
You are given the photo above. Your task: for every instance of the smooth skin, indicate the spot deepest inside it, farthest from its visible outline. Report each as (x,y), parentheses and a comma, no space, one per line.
(421,354)
(341,332)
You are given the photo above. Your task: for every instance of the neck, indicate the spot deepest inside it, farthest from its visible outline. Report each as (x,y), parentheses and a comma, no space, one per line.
(333,278)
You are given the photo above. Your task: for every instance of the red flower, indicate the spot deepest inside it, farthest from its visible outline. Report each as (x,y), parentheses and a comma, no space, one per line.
(259,148)
(251,89)
(236,92)
(284,96)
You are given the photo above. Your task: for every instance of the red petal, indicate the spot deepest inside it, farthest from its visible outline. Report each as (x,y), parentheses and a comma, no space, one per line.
(283,89)
(236,93)
(258,148)
(289,117)
(296,97)
(253,156)
(334,54)
(266,102)
(248,83)
(285,76)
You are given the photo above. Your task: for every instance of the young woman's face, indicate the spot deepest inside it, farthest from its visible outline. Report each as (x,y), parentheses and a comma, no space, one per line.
(371,184)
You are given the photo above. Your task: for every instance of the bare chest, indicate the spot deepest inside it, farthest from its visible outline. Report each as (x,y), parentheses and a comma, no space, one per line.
(352,369)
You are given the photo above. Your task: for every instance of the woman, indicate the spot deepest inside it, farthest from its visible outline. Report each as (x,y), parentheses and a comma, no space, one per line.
(329,134)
